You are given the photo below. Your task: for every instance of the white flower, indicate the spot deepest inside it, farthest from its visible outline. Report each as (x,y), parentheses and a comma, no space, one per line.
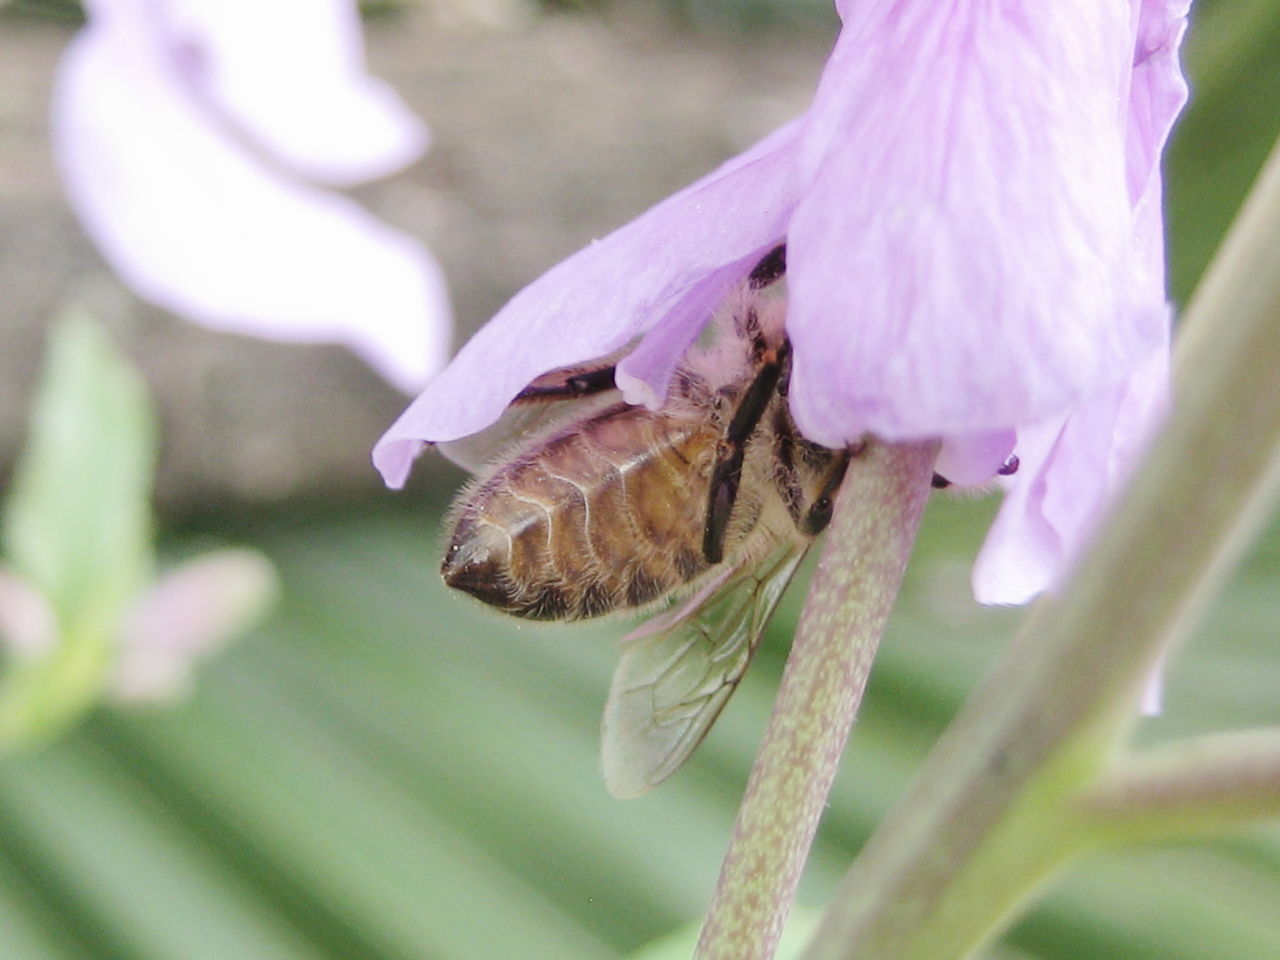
(190,134)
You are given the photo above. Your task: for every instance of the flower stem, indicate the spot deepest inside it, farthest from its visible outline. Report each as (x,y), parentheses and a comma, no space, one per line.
(871,534)
(996,807)
(1191,788)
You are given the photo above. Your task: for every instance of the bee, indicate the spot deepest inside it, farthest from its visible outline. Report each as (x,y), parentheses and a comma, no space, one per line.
(707,505)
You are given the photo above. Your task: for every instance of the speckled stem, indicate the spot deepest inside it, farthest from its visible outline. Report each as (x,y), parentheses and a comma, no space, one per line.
(866,550)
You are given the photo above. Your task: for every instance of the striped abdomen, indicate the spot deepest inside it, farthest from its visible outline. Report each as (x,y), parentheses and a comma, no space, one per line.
(605,515)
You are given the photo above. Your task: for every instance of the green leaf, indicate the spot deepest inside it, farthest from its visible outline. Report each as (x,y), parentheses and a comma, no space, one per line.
(77,521)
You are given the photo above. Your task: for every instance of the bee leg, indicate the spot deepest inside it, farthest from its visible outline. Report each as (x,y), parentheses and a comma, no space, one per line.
(788,478)
(568,384)
(770,268)
(747,326)
(819,513)
(726,475)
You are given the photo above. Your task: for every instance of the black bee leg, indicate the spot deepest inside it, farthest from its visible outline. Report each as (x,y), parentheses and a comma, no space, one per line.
(770,268)
(819,513)
(726,475)
(784,453)
(747,325)
(568,384)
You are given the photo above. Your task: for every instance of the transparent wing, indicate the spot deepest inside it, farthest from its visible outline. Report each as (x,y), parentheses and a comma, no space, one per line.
(569,392)
(678,670)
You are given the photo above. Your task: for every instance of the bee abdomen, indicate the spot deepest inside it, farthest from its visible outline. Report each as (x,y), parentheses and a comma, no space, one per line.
(591,522)
(497,545)
(475,566)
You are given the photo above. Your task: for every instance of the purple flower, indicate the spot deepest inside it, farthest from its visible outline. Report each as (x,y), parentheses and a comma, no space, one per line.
(972,208)
(189,133)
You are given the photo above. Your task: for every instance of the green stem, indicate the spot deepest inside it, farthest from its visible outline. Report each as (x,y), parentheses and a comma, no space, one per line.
(874,526)
(993,811)
(41,698)
(1191,788)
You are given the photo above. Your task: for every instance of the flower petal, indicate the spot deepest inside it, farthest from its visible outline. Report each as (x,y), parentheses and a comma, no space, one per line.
(28,626)
(963,260)
(642,375)
(974,459)
(191,220)
(1157,93)
(192,610)
(1022,552)
(1071,469)
(320,114)
(670,262)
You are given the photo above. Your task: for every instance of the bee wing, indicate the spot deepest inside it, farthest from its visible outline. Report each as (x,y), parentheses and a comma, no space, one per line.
(677,672)
(554,396)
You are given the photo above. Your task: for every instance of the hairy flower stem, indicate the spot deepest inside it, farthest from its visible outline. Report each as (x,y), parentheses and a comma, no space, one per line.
(871,535)
(1004,798)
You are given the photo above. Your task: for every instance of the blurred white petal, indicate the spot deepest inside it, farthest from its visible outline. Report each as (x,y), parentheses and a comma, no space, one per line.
(290,74)
(193,219)
(190,611)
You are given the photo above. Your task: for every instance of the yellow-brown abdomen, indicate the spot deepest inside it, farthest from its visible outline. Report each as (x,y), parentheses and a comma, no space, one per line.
(606,515)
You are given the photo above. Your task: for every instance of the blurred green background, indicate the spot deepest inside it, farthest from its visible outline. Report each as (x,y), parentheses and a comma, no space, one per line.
(385,772)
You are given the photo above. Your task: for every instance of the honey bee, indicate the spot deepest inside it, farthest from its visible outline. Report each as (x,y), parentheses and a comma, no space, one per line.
(710,501)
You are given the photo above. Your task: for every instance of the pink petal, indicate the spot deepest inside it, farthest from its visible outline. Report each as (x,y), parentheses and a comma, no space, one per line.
(28,625)
(1072,467)
(317,111)
(191,611)
(1157,93)
(679,256)
(1157,90)
(192,221)
(974,459)
(963,259)
(1035,536)
(1023,552)
(642,374)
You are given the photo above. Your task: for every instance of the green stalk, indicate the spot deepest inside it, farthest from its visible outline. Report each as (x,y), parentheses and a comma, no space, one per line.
(866,551)
(996,809)
(1198,786)
(40,698)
